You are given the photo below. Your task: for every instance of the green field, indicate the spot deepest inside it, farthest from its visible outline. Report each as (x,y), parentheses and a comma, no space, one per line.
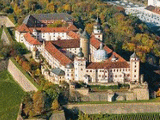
(10,96)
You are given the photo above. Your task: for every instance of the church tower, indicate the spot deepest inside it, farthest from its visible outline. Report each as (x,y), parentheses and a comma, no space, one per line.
(134,67)
(80,66)
(97,32)
(85,44)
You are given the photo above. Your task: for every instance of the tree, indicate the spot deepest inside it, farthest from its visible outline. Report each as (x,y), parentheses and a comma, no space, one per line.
(55,105)
(67,7)
(20,62)
(89,28)
(50,7)
(26,66)
(27,104)
(39,102)
(37,72)
(17,58)
(17,10)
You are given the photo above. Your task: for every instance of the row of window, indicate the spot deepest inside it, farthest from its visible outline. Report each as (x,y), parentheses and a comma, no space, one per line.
(114,75)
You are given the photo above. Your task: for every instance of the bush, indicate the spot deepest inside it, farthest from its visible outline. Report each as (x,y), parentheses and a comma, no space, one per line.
(55,105)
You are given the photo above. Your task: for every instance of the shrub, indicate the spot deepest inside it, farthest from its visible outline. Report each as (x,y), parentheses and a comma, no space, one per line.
(55,105)
(26,66)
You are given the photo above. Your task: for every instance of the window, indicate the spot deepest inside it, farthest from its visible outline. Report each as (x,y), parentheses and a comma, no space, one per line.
(134,70)
(134,75)
(120,76)
(90,70)
(99,75)
(81,69)
(135,66)
(67,74)
(115,75)
(86,70)
(111,76)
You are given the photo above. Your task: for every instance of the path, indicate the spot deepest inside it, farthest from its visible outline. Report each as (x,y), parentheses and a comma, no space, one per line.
(118,108)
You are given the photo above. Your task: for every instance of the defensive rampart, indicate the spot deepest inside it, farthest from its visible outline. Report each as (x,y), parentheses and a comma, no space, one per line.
(20,78)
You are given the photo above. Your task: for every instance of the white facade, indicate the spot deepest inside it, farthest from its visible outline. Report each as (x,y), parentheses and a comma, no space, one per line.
(155,3)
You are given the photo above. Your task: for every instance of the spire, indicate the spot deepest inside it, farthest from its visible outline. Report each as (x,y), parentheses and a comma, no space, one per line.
(134,55)
(79,31)
(97,20)
(85,34)
(101,46)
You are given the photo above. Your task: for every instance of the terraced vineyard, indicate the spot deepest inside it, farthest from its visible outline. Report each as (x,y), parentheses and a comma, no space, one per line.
(10,96)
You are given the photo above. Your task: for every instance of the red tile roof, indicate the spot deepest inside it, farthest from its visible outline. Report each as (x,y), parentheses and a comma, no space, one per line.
(49,29)
(23,28)
(72,27)
(73,35)
(107,65)
(28,37)
(64,60)
(73,43)
(96,43)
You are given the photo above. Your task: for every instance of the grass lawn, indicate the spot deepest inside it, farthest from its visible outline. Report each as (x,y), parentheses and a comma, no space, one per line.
(10,96)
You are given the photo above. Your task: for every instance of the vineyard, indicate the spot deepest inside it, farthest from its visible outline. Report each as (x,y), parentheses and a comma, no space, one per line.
(138,116)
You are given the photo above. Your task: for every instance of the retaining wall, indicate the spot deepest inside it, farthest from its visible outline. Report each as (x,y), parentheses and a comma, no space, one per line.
(117,108)
(5,38)
(20,78)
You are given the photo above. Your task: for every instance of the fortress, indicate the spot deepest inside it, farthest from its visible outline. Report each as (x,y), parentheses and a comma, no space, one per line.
(72,54)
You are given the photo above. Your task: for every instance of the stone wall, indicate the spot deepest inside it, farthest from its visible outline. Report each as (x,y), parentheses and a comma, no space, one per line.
(5,38)
(141,93)
(58,116)
(20,78)
(136,94)
(117,108)
(6,21)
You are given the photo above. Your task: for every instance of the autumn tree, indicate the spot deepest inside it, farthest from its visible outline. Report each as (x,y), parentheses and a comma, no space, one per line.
(26,66)
(89,28)
(55,105)
(40,102)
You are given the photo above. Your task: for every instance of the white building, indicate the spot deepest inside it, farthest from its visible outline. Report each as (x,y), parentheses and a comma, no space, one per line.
(76,56)
(155,3)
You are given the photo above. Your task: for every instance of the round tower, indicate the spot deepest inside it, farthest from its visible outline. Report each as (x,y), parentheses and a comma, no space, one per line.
(85,44)
(134,67)
(80,66)
(69,72)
